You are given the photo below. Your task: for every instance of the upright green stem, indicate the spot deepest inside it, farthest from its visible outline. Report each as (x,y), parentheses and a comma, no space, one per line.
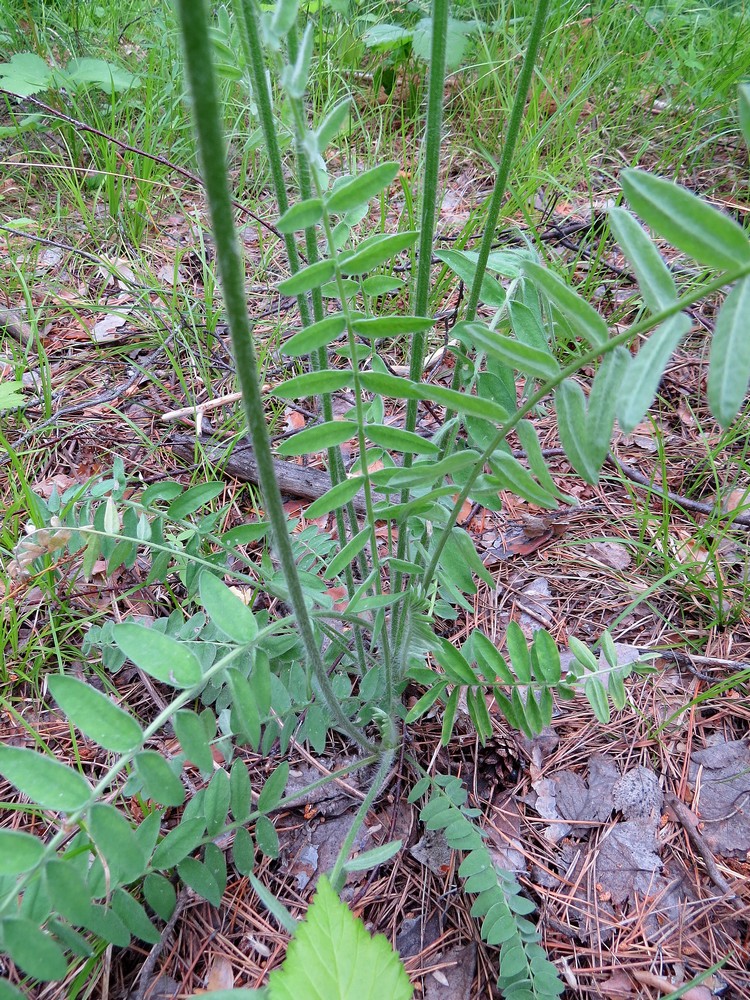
(506,160)
(337,876)
(209,132)
(501,181)
(431,167)
(249,36)
(431,161)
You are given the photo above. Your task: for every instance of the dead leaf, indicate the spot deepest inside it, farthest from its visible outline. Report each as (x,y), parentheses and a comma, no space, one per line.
(617,986)
(611,554)
(220,975)
(432,850)
(455,978)
(504,835)
(720,776)
(627,863)
(637,794)
(105,330)
(590,802)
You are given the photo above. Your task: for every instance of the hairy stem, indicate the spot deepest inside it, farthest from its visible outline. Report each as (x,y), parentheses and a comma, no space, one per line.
(207,117)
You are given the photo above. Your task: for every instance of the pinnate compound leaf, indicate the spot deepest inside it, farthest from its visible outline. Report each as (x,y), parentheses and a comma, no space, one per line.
(32,950)
(374,252)
(584,319)
(245,715)
(522,357)
(216,802)
(19,852)
(159,655)
(514,477)
(333,123)
(301,216)
(178,843)
(312,276)
(464,264)
(9,992)
(391,326)
(336,497)
(107,925)
(266,837)
(226,610)
(134,917)
(654,277)
(537,463)
(116,841)
(271,793)
(68,892)
(463,402)
(160,783)
(643,374)
(332,956)
(729,368)
(95,715)
(602,403)
(313,384)
(201,880)
(47,782)
(318,438)
(314,336)
(193,499)
(688,222)
(371,859)
(191,733)
(358,190)
(570,406)
(160,895)
(397,439)
(597,696)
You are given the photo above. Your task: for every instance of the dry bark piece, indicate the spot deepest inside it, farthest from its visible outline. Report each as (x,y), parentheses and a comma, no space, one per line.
(294,480)
(12,324)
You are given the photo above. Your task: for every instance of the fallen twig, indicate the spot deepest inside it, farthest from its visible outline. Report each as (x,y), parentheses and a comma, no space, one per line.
(690,824)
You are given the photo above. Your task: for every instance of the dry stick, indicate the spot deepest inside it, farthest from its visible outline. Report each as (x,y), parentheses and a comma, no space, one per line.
(701,508)
(690,823)
(187,174)
(149,965)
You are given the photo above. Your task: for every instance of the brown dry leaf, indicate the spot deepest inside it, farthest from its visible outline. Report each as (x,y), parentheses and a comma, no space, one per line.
(738,500)
(504,835)
(637,794)
(220,975)
(535,600)
(455,978)
(587,803)
(611,554)
(432,850)
(105,331)
(720,775)
(627,862)
(294,420)
(617,986)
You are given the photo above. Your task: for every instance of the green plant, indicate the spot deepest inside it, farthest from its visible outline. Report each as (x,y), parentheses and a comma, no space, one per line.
(242,676)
